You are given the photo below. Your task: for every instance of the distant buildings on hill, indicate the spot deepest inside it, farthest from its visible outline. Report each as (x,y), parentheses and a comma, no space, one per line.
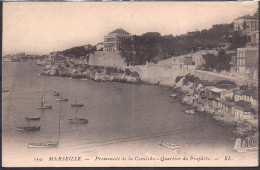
(245,63)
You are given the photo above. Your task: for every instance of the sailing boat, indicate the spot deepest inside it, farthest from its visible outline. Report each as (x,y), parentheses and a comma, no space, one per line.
(43,106)
(28,128)
(78,120)
(62,99)
(48,143)
(76,105)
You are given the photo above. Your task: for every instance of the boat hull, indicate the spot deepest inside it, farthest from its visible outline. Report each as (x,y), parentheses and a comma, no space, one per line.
(62,100)
(170,146)
(77,105)
(55,93)
(78,120)
(43,144)
(32,118)
(44,107)
(28,128)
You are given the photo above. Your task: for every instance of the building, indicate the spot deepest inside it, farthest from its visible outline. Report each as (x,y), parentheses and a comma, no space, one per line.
(242,95)
(246,24)
(247,62)
(242,110)
(178,63)
(113,41)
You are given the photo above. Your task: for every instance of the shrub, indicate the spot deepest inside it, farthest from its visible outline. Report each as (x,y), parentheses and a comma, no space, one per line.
(135,74)
(191,78)
(127,72)
(178,78)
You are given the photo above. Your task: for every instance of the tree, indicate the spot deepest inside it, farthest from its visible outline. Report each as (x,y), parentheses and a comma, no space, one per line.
(220,62)
(127,51)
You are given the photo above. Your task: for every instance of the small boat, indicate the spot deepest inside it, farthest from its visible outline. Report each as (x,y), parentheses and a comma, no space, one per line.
(5,90)
(191,112)
(55,93)
(33,118)
(43,106)
(28,128)
(62,99)
(76,105)
(173,96)
(78,120)
(117,88)
(171,146)
(43,144)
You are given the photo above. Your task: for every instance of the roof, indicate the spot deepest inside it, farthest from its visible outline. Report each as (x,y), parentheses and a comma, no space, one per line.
(242,103)
(247,17)
(119,31)
(217,90)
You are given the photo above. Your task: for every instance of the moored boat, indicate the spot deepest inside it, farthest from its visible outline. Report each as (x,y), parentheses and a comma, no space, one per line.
(33,118)
(191,112)
(171,146)
(43,144)
(43,106)
(28,128)
(76,105)
(78,120)
(173,96)
(62,99)
(55,93)
(5,90)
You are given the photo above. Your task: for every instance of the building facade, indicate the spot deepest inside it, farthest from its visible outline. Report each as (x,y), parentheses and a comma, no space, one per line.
(113,41)
(246,24)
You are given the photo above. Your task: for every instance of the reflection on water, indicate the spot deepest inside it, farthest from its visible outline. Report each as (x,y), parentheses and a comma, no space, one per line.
(134,120)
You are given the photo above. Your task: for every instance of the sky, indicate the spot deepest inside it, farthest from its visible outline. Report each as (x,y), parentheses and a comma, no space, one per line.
(43,27)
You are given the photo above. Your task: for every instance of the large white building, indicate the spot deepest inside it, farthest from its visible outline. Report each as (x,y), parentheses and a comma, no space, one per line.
(113,41)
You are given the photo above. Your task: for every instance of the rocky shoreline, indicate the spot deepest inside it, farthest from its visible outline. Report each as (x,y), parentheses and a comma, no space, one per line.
(95,73)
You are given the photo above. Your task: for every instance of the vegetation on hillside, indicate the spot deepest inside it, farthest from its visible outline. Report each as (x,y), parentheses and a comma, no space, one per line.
(219,62)
(153,47)
(79,51)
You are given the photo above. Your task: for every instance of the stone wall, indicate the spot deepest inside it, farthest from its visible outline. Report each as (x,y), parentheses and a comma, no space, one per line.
(106,58)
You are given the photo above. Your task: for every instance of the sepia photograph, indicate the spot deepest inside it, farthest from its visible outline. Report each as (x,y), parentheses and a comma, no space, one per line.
(130,84)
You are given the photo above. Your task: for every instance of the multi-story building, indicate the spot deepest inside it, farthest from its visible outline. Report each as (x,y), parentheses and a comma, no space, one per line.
(246,24)
(113,41)
(247,62)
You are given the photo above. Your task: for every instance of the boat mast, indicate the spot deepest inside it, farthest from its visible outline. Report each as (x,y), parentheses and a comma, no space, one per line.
(77,113)
(43,101)
(59,123)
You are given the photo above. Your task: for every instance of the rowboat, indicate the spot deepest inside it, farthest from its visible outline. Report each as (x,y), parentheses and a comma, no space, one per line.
(76,105)
(28,128)
(43,144)
(171,146)
(33,118)
(62,99)
(78,120)
(43,106)
(55,93)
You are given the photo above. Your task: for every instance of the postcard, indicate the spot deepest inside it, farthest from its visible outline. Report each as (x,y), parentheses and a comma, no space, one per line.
(130,84)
